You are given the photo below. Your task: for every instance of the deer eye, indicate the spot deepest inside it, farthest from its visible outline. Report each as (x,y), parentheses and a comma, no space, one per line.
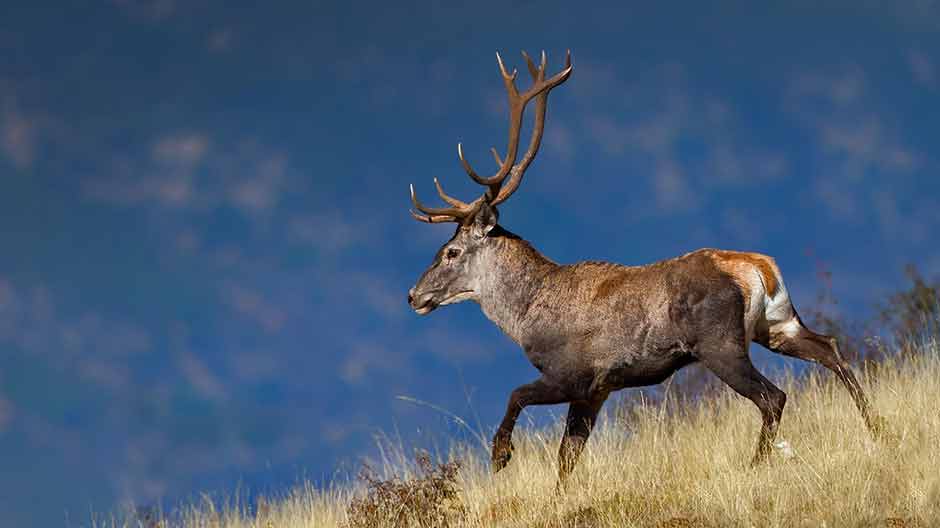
(453,253)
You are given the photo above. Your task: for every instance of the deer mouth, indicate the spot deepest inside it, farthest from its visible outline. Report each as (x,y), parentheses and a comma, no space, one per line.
(457,297)
(422,305)
(429,304)
(425,308)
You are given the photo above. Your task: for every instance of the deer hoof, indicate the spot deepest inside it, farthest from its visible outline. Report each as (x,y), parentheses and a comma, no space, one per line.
(502,452)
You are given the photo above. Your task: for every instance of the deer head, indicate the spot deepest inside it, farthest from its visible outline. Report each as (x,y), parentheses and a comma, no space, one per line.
(460,264)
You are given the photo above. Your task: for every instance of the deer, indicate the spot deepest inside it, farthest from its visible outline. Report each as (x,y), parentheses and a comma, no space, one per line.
(592,328)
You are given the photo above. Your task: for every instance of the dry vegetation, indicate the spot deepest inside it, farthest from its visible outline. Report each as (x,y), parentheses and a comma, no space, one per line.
(675,464)
(676,469)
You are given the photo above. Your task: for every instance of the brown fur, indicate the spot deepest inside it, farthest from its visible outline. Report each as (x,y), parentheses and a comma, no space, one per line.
(609,286)
(592,328)
(737,264)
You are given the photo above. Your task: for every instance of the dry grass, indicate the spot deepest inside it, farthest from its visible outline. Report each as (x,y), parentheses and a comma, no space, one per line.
(689,469)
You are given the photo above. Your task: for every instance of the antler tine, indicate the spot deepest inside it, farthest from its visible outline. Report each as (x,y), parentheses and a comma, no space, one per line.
(543,85)
(541,104)
(496,193)
(513,95)
(431,219)
(449,199)
(517,103)
(499,161)
(467,168)
(508,78)
(455,212)
(533,70)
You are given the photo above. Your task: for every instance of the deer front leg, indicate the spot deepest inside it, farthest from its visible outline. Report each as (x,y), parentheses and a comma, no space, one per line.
(539,392)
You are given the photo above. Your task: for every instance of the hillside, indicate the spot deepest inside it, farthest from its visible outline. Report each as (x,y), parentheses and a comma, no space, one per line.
(678,469)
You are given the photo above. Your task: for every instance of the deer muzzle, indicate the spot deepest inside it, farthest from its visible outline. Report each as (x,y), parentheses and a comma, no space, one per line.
(421,303)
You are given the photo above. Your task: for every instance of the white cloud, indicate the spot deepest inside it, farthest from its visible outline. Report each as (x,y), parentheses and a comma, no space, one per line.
(913,218)
(201,377)
(454,344)
(255,365)
(560,140)
(261,191)
(731,165)
(840,89)
(922,68)
(19,134)
(185,149)
(95,348)
(253,305)
(865,164)
(657,121)
(864,142)
(654,132)
(671,187)
(365,359)
(367,63)
(613,137)
(188,241)
(328,231)
(373,291)
(92,331)
(595,81)
(835,105)
(189,173)
(168,180)
(220,40)
(129,187)
(742,228)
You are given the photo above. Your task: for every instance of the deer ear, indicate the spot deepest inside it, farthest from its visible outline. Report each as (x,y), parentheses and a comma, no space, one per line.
(485,220)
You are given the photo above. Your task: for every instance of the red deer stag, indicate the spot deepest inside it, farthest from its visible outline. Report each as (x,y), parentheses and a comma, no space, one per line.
(594,327)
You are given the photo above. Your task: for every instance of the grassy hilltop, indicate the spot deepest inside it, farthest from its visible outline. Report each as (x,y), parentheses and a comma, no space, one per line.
(652,468)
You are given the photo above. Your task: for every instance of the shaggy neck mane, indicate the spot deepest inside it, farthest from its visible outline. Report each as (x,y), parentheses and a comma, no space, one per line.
(518,273)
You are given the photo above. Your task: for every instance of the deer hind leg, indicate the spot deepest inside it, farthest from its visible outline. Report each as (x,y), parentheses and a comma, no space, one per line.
(539,392)
(582,415)
(792,338)
(733,366)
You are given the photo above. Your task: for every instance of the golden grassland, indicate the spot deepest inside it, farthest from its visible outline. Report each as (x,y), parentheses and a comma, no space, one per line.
(685,468)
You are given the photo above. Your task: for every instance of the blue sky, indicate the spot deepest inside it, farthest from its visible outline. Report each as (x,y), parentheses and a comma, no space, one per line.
(203,216)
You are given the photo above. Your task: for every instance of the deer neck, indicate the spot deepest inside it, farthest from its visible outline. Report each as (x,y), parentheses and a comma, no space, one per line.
(515,274)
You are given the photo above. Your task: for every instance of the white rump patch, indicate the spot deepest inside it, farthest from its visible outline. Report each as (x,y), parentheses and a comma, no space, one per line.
(778,307)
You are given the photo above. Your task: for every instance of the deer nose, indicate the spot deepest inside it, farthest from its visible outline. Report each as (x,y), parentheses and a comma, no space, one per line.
(411,297)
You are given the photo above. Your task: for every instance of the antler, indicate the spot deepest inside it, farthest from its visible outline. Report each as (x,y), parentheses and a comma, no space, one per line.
(495,192)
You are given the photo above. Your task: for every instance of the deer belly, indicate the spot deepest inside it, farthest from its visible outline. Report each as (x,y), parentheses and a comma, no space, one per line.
(649,369)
